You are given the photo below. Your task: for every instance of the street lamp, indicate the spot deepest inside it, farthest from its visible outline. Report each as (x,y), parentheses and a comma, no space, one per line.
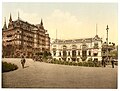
(107,41)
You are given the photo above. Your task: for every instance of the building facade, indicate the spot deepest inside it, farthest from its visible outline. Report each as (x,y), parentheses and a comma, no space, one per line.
(77,49)
(21,37)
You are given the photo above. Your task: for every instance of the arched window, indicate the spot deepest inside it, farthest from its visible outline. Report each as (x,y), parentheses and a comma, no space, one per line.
(69,53)
(59,53)
(54,51)
(64,50)
(73,53)
(89,53)
(84,51)
(74,48)
(95,44)
(78,53)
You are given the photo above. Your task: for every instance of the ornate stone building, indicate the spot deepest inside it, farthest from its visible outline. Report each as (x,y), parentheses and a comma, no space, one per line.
(23,37)
(77,49)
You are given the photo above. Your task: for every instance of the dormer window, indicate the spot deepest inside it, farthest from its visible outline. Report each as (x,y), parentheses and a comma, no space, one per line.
(95,44)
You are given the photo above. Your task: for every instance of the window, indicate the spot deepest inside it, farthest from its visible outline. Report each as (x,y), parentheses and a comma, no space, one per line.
(64,47)
(96,45)
(89,53)
(73,53)
(64,53)
(54,51)
(74,47)
(84,53)
(9,40)
(68,53)
(59,53)
(95,59)
(77,59)
(95,54)
(78,53)
(9,35)
(54,45)
(64,50)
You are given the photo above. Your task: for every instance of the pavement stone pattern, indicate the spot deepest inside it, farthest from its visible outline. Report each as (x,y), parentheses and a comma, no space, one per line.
(46,75)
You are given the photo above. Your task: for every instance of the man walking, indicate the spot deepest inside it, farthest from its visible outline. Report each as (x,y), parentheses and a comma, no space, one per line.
(112,62)
(23,61)
(104,62)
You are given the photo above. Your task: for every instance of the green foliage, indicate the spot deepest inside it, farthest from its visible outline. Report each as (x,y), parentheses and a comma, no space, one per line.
(114,54)
(91,64)
(80,64)
(90,60)
(62,62)
(6,67)
(74,63)
(66,62)
(85,64)
(84,58)
(46,54)
(116,63)
(70,63)
(52,61)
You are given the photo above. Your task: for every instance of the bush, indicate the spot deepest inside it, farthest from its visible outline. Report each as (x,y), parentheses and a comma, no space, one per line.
(97,63)
(85,64)
(52,61)
(66,63)
(91,64)
(80,64)
(70,63)
(116,63)
(74,63)
(6,67)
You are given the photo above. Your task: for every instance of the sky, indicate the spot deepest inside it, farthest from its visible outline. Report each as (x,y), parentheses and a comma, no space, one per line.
(70,20)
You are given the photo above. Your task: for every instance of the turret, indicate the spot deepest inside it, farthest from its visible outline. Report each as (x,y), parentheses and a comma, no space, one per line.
(41,24)
(5,26)
(10,21)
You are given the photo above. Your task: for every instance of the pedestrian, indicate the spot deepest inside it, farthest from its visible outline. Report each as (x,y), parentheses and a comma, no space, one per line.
(23,61)
(104,62)
(112,62)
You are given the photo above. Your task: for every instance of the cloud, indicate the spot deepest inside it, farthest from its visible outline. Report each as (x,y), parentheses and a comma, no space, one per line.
(66,24)
(32,18)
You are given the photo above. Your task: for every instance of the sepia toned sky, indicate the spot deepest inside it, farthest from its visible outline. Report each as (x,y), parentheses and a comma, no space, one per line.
(71,20)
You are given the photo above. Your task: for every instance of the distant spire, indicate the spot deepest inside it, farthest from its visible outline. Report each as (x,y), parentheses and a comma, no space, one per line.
(5,21)
(10,20)
(5,26)
(96,29)
(41,22)
(18,15)
(56,34)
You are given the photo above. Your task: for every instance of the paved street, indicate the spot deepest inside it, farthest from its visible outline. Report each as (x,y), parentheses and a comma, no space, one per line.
(45,75)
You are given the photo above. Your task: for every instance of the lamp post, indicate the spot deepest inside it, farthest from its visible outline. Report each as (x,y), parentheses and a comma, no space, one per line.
(107,41)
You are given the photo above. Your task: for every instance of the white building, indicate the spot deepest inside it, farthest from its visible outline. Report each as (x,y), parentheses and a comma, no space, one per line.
(77,49)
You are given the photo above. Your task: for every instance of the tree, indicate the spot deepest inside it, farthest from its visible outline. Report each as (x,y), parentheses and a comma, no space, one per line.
(114,53)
